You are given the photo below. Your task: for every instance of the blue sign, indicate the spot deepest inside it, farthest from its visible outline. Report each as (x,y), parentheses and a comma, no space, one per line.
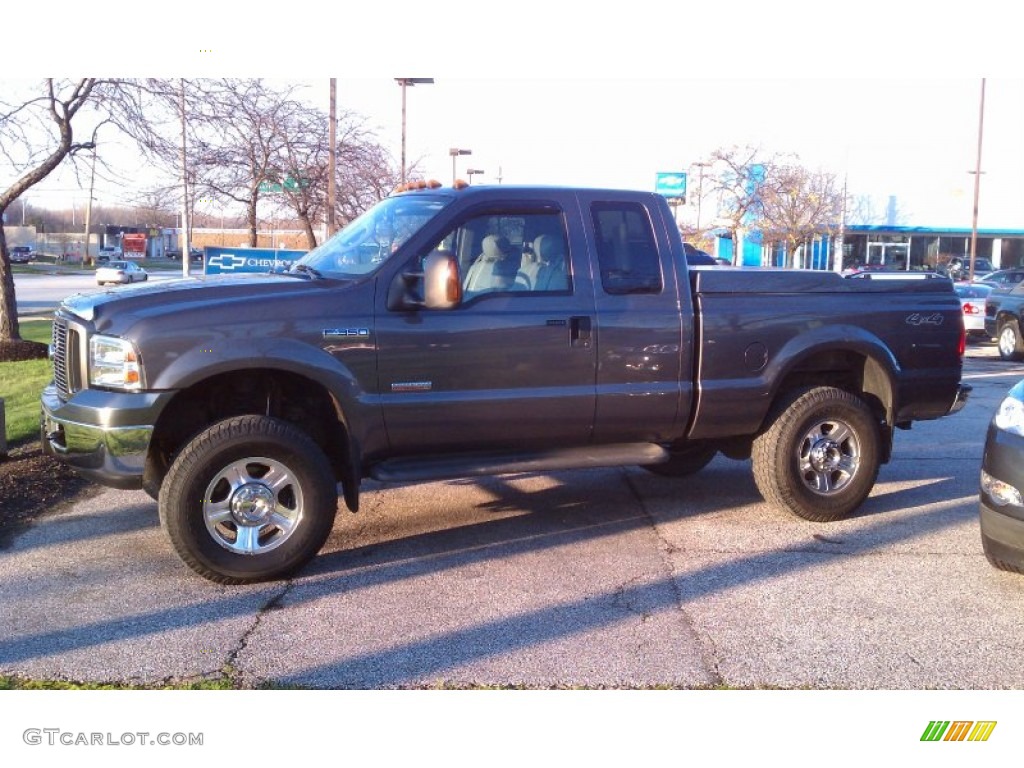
(231,261)
(671,185)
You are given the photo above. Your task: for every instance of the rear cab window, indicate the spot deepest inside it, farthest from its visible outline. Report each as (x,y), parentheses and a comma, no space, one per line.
(626,249)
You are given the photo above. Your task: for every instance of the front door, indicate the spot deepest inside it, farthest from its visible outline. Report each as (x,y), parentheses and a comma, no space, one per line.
(513,367)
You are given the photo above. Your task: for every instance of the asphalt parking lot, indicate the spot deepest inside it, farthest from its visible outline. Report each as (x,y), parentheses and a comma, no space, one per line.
(589,578)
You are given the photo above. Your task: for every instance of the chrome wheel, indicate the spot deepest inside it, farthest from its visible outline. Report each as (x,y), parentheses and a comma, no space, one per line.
(1008,341)
(829,456)
(248,499)
(253,505)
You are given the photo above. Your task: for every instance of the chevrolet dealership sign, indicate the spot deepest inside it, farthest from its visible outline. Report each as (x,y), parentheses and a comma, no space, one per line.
(230,261)
(672,185)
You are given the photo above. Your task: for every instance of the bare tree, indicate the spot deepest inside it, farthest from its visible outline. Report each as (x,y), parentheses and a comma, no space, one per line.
(257,146)
(736,180)
(798,205)
(36,135)
(366,172)
(301,168)
(239,139)
(157,207)
(39,131)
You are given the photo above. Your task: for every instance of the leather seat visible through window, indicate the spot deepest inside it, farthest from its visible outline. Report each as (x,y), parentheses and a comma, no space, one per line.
(494,269)
(546,271)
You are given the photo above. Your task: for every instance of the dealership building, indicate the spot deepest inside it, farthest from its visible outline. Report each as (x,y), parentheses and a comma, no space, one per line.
(883,245)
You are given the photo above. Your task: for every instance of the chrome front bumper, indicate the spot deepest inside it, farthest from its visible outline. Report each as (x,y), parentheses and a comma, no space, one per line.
(104,436)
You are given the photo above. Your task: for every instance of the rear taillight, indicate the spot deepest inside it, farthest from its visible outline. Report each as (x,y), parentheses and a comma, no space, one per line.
(971,309)
(962,346)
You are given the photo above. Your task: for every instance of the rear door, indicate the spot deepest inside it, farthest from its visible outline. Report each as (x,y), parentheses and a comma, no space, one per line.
(514,365)
(644,323)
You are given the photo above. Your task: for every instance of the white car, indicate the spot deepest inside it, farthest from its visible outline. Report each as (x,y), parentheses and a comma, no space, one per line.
(120,272)
(972,301)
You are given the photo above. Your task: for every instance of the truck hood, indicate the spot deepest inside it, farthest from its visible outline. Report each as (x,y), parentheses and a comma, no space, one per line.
(172,296)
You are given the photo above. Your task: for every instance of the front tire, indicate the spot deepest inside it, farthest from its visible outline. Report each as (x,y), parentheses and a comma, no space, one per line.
(1011,347)
(250,499)
(820,454)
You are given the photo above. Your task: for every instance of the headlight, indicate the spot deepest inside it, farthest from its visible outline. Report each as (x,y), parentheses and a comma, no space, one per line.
(1001,493)
(114,363)
(1010,415)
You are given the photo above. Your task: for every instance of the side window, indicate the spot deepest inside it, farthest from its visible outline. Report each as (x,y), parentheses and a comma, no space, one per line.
(512,253)
(626,249)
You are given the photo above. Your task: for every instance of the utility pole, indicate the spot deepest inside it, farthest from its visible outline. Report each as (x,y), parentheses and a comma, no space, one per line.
(837,260)
(332,164)
(977,183)
(88,207)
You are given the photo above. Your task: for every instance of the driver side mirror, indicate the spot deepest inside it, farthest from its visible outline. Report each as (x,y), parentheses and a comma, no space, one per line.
(438,286)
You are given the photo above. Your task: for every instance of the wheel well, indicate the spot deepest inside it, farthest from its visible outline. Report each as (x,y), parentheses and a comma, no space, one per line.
(1003,317)
(854,372)
(281,394)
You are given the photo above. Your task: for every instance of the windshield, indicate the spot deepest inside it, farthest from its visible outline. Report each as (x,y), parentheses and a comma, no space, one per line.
(370,239)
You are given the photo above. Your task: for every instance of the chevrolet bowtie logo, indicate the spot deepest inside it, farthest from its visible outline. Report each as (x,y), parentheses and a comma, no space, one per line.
(227,261)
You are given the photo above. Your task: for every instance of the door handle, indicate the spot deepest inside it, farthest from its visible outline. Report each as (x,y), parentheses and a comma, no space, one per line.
(579,331)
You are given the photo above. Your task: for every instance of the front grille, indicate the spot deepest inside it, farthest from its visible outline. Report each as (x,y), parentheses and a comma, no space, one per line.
(67,358)
(60,356)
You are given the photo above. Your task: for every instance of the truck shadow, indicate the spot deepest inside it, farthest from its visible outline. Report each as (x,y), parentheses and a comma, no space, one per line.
(534,521)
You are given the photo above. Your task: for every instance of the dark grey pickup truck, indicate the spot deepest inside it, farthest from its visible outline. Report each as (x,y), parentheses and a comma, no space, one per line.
(468,331)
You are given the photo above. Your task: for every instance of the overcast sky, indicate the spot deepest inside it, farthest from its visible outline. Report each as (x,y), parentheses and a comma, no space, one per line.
(611,95)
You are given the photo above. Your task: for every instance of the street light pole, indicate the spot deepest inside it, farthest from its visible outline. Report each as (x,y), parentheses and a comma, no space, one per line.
(455,152)
(404,82)
(471,172)
(700,188)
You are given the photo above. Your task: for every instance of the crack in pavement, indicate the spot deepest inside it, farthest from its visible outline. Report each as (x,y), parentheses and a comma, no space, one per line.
(708,653)
(273,604)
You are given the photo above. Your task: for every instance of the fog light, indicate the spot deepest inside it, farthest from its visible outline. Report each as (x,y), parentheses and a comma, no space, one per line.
(1001,493)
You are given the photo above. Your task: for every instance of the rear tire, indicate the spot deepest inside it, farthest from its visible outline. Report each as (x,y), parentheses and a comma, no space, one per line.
(820,454)
(1011,347)
(250,499)
(685,462)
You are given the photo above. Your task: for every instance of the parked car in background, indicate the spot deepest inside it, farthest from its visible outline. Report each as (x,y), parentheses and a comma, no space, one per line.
(959,268)
(1004,319)
(195,254)
(695,257)
(1001,278)
(108,253)
(972,300)
(875,274)
(1001,506)
(120,272)
(20,254)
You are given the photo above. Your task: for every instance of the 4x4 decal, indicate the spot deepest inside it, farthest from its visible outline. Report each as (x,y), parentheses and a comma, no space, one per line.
(933,318)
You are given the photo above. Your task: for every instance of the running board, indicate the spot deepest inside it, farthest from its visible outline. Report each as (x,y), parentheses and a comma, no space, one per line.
(450,467)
